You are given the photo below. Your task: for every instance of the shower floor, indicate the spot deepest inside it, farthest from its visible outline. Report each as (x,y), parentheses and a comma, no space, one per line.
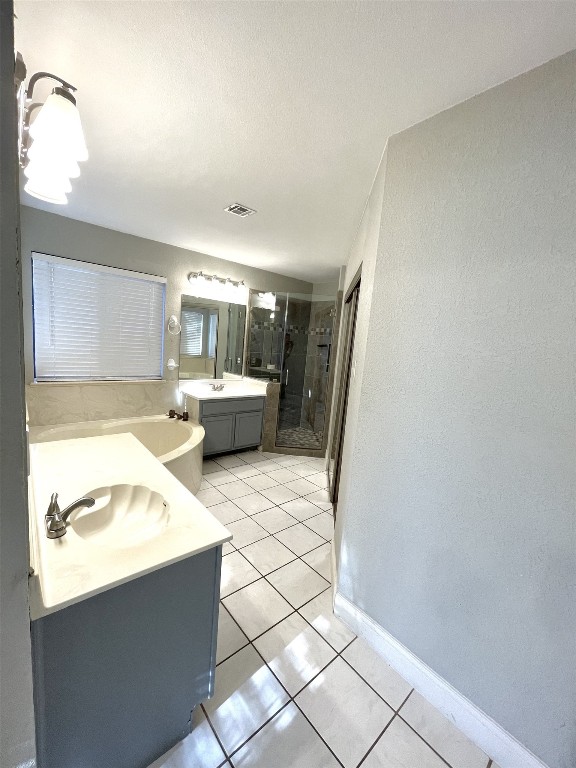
(298,437)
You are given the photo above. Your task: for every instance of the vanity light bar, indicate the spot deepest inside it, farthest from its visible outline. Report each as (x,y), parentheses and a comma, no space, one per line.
(202,276)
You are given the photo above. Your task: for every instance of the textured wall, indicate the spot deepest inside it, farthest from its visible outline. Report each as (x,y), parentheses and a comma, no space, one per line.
(59,236)
(458,526)
(17,717)
(363,254)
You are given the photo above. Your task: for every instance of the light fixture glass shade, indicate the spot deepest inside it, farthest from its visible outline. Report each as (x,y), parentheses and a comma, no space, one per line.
(47,193)
(57,144)
(58,123)
(42,152)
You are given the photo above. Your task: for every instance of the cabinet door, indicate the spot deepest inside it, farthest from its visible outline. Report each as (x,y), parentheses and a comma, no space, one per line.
(248,429)
(219,435)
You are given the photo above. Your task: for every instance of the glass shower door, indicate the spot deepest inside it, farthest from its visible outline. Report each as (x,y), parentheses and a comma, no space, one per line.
(308,324)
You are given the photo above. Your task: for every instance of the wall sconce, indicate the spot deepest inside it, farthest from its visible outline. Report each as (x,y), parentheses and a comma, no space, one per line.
(171,364)
(218,288)
(51,145)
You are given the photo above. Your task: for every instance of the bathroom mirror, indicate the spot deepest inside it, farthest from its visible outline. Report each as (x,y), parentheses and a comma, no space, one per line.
(211,338)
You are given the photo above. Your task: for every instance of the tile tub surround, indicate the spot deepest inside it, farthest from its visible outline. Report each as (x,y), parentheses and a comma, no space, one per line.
(295,688)
(67,403)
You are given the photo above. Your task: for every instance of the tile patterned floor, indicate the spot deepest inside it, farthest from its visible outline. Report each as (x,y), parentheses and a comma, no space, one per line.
(295,688)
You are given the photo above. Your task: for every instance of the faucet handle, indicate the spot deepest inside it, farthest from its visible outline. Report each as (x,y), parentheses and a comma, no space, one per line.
(53,508)
(55,525)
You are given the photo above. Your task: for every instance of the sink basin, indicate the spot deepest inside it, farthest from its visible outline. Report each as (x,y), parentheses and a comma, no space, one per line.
(123,516)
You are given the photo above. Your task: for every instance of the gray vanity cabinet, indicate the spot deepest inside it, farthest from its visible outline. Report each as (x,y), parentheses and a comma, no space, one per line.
(116,676)
(231,424)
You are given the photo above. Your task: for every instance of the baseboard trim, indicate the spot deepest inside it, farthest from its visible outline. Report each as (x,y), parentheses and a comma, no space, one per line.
(501,746)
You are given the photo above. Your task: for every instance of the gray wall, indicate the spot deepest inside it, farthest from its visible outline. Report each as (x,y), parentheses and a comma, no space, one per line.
(458,529)
(60,236)
(17,719)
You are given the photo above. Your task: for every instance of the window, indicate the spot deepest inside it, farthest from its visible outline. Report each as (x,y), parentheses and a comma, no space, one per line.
(199,332)
(95,323)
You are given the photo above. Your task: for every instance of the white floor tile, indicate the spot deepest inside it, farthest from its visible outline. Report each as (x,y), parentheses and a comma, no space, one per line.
(301,486)
(320,464)
(254,502)
(210,496)
(287,741)
(290,461)
(274,520)
(385,680)
(300,539)
(323,525)
(301,509)
(400,747)
(257,607)
(320,479)
(270,455)
(267,466)
(345,711)
(321,560)
(227,512)
(260,482)
(247,694)
(236,573)
(200,748)
(235,489)
(246,470)
(441,734)
(282,475)
(268,555)
(279,494)
(319,613)
(252,457)
(304,470)
(228,547)
(230,636)
(295,652)
(229,461)
(320,498)
(245,532)
(220,477)
(204,484)
(297,582)
(209,467)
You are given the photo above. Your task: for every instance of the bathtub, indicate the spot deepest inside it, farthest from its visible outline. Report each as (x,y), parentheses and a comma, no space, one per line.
(177,444)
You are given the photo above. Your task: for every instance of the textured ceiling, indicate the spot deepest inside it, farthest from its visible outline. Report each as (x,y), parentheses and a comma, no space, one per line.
(282,106)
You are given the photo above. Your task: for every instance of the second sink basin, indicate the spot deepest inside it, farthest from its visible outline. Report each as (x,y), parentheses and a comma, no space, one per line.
(123,516)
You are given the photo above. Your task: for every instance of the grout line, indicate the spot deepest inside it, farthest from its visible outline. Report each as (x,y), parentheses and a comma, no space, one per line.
(425,742)
(214,732)
(378,739)
(319,734)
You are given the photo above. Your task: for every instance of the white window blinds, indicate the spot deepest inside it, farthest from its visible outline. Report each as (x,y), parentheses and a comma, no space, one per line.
(191,336)
(95,323)
(199,332)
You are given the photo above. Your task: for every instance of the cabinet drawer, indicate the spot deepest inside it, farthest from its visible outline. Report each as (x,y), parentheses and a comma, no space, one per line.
(248,429)
(219,433)
(238,405)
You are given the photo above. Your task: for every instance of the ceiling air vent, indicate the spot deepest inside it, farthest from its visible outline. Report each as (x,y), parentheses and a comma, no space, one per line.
(240,210)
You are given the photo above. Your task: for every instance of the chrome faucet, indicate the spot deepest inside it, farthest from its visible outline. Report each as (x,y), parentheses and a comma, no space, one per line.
(56,520)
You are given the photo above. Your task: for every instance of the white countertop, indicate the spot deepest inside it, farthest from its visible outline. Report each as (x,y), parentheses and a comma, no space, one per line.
(202,389)
(70,569)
